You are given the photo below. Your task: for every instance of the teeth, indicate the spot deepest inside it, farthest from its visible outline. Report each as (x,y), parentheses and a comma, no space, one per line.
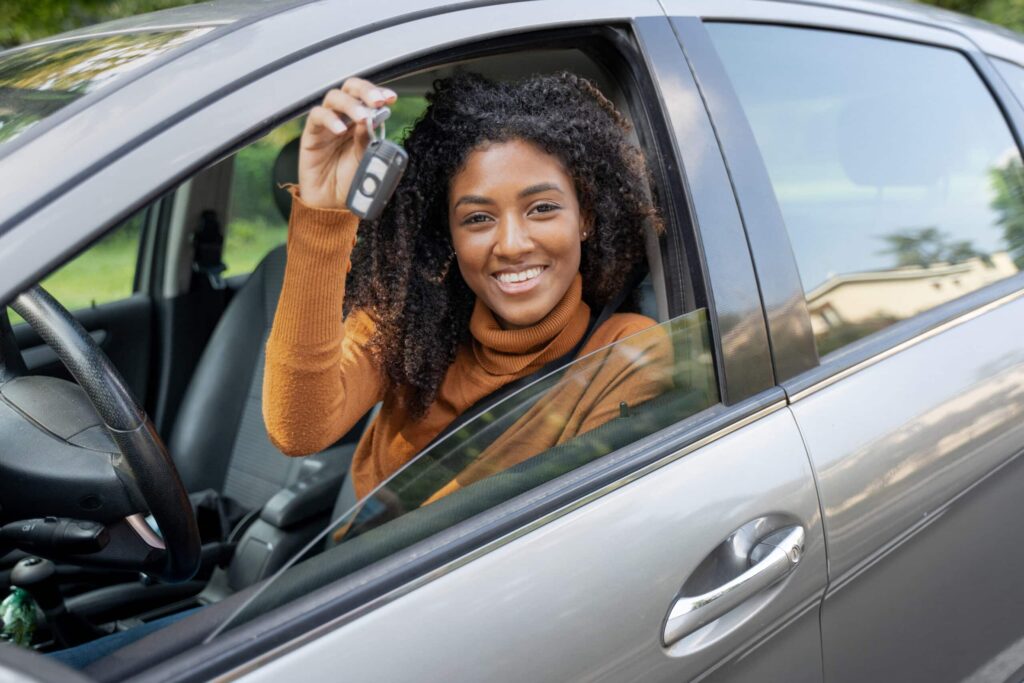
(521,276)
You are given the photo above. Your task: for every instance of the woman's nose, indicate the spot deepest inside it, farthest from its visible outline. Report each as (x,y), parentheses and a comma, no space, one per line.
(513,239)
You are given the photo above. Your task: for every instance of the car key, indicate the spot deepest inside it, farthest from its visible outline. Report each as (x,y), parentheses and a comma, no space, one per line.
(378,173)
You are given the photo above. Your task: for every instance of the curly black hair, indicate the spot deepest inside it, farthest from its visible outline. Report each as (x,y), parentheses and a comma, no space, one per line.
(402,270)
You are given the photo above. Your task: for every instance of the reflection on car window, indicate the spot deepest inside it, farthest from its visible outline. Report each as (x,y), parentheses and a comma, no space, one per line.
(898,178)
(39,80)
(495,457)
(669,374)
(255,224)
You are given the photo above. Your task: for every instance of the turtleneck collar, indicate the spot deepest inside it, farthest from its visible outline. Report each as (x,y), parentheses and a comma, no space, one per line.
(507,352)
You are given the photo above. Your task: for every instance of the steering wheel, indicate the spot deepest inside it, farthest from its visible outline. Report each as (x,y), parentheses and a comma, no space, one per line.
(118,460)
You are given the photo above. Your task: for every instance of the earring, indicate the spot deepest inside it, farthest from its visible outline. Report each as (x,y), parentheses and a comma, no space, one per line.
(584,234)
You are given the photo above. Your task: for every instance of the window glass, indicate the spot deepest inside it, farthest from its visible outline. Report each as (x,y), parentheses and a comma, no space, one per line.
(897,176)
(1014,76)
(645,382)
(103,272)
(38,80)
(256,225)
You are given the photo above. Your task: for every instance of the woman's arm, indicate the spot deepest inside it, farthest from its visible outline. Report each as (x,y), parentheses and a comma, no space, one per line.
(319,378)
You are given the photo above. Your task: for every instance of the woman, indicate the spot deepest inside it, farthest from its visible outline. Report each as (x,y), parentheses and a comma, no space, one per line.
(520,216)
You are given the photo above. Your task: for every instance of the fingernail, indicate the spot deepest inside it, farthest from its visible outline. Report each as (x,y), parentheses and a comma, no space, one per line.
(365,113)
(337,127)
(388,94)
(376,95)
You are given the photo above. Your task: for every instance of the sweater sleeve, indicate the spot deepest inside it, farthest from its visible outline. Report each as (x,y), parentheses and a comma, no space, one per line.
(319,377)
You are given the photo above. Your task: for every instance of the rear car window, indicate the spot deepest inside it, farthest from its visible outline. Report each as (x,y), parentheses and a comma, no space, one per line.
(39,80)
(898,178)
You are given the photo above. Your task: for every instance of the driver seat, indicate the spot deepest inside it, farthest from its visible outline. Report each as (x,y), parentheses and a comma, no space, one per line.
(219,440)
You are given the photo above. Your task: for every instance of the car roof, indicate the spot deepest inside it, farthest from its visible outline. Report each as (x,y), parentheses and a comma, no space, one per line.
(238,12)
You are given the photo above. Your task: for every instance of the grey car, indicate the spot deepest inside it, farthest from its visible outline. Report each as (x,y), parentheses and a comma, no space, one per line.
(829,489)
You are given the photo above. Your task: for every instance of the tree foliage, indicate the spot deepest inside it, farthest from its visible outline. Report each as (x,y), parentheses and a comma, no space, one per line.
(23,21)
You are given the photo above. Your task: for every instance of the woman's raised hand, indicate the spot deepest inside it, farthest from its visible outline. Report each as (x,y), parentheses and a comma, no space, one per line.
(330,151)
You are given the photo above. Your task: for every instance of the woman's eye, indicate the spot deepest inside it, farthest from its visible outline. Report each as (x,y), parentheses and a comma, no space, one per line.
(546,207)
(475,218)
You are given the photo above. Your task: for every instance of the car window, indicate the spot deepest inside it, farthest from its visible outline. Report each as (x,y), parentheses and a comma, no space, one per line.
(652,379)
(255,222)
(36,81)
(893,204)
(1014,76)
(102,273)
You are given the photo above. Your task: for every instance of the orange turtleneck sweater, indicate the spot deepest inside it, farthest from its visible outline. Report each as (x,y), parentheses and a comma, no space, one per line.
(320,380)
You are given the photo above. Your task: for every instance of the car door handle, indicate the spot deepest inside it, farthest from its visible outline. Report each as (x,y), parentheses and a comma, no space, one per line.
(771,559)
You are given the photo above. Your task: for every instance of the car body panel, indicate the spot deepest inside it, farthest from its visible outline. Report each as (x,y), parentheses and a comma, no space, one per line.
(899,427)
(598,582)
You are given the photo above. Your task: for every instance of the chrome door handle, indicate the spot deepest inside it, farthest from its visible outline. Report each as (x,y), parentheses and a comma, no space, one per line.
(770,560)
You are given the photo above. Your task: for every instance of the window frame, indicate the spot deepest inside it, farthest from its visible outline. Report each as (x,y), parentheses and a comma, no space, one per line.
(799,370)
(697,196)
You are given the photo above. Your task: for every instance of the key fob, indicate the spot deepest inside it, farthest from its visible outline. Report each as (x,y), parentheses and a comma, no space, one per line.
(376,178)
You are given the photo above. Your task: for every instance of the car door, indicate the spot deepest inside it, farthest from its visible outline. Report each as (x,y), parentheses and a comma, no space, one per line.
(581,577)
(886,153)
(602,572)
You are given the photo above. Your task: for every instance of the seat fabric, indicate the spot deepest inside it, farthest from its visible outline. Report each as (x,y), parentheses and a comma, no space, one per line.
(219,440)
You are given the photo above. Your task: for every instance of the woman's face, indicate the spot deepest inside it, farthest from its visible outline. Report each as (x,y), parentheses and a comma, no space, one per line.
(516,227)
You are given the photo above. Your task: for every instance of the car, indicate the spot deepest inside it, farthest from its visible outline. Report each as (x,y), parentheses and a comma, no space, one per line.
(830,491)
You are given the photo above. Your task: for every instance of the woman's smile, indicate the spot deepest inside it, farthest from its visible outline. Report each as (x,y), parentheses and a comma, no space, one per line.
(517,281)
(516,228)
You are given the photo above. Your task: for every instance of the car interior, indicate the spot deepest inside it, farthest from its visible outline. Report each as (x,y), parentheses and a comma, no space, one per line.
(190,343)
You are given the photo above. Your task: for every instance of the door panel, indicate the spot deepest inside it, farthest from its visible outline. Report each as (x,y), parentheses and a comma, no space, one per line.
(123,330)
(585,596)
(913,565)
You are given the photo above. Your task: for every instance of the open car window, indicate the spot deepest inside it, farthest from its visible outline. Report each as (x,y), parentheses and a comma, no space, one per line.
(648,381)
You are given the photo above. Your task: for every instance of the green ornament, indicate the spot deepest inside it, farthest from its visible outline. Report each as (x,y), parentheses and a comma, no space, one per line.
(18,612)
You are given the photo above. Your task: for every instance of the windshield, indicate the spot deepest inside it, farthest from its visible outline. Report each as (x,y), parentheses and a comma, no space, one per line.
(649,381)
(37,81)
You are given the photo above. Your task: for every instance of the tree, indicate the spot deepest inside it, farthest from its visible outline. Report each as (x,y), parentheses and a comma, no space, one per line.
(1008,183)
(925,247)
(23,21)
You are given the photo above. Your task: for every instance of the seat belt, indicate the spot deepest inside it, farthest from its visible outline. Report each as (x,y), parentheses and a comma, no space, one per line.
(208,251)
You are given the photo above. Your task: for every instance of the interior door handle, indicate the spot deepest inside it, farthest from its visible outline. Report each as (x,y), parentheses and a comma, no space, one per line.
(771,559)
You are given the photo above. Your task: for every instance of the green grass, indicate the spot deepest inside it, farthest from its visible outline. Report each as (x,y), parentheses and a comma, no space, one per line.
(106,271)
(248,241)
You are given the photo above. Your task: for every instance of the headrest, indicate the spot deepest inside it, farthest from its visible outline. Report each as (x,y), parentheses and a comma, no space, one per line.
(286,170)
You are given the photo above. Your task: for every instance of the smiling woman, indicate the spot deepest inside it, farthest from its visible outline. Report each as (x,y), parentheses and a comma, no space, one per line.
(535,192)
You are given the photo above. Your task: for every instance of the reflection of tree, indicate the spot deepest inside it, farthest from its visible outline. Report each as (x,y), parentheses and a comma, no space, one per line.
(1008,184)
(927,246)
(36,81)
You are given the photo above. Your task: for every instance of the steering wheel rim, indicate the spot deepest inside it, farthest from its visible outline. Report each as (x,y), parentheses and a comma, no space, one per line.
(151,467)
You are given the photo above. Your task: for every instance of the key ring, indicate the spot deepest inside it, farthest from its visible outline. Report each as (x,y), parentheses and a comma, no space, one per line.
(384,113)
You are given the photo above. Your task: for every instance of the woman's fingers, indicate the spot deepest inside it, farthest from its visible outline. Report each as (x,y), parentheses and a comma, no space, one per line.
(354,108)
(325,123)
(365,91)
(335,138)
